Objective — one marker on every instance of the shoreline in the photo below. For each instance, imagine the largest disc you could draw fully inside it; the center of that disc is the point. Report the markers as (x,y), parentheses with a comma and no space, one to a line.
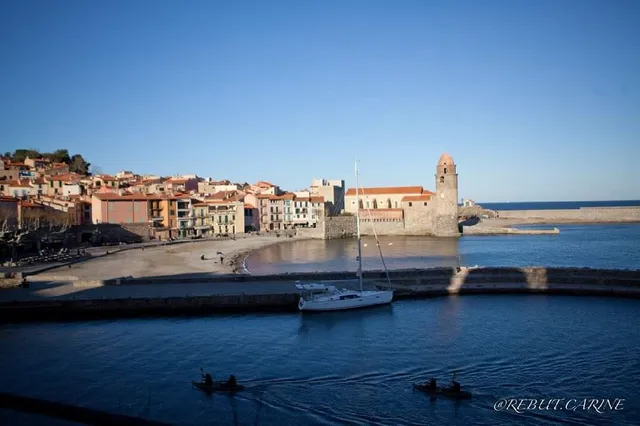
(226,256)
(205,258)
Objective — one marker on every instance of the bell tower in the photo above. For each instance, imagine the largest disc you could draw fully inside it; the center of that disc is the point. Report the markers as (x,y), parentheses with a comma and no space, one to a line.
(446,209)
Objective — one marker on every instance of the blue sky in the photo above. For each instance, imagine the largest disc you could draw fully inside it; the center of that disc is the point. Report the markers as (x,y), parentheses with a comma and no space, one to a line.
(535,100)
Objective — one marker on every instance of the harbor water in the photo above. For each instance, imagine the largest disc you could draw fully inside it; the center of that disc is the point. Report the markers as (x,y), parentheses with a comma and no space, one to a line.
(341,368)
(358,367)
(586,245)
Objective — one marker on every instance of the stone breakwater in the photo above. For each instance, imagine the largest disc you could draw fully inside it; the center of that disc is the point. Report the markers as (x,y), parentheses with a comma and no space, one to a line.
(488,230)
(136,297)
(581,215)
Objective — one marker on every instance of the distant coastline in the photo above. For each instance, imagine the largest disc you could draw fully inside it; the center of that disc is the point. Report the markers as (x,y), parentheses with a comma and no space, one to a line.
(557,205)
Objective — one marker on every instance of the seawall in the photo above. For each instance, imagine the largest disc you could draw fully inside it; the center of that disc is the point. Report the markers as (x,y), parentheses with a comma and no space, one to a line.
(583,214)
(236,293)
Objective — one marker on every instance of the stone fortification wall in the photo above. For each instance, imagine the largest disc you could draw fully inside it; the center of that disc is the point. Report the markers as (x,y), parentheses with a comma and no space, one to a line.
(420,221)
(330,227)
(383,228)
(141,229)
(601,214)
(339,226)
(316,233)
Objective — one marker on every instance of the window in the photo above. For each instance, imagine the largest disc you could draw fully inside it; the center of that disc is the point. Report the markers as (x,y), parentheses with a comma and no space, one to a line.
(425,203)
(441,179)
(445,170)
(410,203)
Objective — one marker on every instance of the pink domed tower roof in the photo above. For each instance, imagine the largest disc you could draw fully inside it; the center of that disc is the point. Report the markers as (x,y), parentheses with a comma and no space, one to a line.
(445,160)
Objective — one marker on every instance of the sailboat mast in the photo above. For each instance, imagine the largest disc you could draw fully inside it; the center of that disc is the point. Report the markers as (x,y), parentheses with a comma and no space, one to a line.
(358,226)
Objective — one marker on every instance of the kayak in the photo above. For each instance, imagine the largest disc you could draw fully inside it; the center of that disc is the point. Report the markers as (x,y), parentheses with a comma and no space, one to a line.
(217,387)
(441,391)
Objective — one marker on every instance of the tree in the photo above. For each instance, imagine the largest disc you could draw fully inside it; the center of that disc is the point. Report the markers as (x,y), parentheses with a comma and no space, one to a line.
(78,165)
(21,154)
(95,170)
(62,156)
(8,215)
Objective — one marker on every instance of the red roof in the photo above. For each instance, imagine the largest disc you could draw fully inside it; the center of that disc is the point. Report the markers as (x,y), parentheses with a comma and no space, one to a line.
(18,184)
(108,196)
(423,197)
(387,190)
(69,177)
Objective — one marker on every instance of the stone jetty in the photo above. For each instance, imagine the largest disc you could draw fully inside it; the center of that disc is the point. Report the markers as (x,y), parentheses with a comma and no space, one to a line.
(171,295)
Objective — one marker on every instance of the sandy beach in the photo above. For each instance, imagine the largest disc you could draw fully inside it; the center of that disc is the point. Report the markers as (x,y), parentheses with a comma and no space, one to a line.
(177,259)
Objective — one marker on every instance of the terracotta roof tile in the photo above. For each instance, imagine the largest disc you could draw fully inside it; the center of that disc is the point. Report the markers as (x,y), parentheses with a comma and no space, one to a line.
(422,197)
(107,196)
(387,190)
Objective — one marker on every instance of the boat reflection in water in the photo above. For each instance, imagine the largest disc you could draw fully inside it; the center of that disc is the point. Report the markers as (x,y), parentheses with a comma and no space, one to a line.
(346,321)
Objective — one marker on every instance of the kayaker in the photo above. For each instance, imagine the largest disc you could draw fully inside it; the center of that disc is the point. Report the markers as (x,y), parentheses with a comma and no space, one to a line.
(208,380)
(455,386)
(431,383)
(232,381)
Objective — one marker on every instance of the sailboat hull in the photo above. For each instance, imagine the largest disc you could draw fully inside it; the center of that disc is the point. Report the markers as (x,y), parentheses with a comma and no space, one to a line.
(339,302)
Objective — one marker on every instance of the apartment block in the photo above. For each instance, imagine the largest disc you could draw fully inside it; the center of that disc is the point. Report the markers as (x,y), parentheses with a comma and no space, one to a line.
(333,193)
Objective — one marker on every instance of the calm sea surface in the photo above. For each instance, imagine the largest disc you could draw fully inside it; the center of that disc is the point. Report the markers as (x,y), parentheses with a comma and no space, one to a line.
(594,245)
(341,368)
(357,367)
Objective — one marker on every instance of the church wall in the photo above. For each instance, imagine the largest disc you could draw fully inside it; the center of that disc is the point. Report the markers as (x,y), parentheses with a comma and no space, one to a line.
(380,201)
(418,218)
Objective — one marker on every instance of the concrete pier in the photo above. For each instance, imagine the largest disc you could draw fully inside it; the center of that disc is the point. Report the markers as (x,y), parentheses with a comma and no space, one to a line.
(198,295)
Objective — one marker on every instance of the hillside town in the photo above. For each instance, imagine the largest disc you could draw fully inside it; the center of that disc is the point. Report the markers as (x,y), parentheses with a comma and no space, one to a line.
(36,190)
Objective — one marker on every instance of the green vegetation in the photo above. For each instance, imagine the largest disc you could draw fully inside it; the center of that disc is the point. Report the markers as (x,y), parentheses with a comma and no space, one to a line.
(76,162)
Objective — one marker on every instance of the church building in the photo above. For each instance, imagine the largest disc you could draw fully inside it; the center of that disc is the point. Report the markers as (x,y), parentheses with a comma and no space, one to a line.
(411,210)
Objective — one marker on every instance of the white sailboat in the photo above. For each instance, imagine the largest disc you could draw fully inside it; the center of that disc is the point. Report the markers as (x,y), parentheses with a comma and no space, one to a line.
(320,297)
